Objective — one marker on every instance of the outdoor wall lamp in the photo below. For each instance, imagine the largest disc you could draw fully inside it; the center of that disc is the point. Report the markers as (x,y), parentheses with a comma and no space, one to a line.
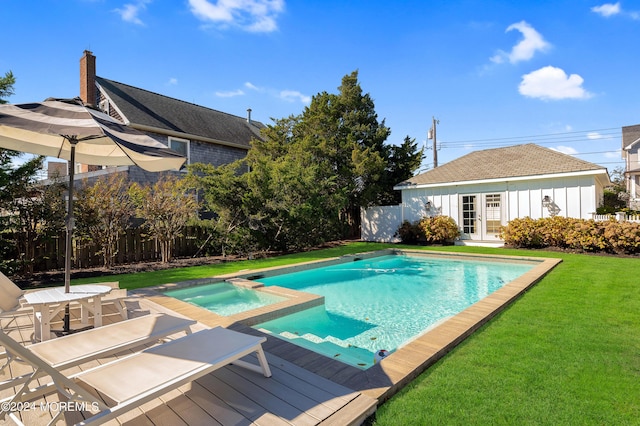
(428,205)
(546,200)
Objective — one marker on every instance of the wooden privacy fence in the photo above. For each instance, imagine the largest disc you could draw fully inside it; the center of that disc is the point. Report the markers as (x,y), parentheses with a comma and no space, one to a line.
(132,247)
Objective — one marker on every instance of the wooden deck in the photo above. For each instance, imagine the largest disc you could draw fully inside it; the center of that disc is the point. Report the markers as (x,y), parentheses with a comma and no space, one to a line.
(229,396)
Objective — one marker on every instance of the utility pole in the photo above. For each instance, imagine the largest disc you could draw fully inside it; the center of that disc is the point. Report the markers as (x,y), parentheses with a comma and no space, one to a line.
(432,135)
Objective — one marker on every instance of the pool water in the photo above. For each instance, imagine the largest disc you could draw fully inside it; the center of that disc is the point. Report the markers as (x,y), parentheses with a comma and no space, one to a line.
(384,302)
(224,298)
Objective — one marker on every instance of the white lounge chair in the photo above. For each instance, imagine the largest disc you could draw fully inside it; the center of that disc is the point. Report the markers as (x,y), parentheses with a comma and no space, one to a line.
(78,348)
(147,374)
(10,303)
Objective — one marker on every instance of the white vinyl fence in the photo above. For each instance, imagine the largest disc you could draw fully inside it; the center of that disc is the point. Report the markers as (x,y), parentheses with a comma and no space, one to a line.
(619,216)
(380,223)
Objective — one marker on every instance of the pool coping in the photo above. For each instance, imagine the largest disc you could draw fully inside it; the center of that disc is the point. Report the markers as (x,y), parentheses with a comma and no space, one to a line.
(386,377)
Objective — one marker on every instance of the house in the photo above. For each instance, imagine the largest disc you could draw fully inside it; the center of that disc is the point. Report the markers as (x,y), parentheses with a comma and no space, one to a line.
(486,189)
(630,153)
(202,134)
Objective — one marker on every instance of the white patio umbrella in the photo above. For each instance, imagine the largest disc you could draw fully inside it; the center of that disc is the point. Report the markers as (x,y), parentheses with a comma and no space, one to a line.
(67,129)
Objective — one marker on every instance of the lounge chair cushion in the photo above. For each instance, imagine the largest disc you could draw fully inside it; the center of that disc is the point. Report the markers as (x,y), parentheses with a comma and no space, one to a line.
(75,348)
(187,357)
(9,287)
(7,301)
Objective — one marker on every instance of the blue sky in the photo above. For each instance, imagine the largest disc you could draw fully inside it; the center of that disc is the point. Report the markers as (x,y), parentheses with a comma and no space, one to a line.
(563,74)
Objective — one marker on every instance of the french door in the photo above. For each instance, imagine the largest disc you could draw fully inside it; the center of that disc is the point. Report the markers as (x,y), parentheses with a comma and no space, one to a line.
(481,216)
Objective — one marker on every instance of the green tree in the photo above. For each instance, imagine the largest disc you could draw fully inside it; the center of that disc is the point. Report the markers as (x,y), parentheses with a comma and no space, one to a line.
(402,163)
(614,197)
(6,86)
(222,190)
(35,212)
(291,201)
(103,211)
(309,175)
(344,130)
(166,207)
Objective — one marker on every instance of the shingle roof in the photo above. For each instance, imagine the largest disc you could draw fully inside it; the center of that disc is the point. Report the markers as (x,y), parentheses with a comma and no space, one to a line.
(151,109)
(502,163)
(630,134)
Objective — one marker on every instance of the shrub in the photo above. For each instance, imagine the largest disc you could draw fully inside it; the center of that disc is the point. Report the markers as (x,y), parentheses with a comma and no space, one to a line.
(623,237)
(524,232)
(578,234)
(408,232)
(587,235)
(439,229)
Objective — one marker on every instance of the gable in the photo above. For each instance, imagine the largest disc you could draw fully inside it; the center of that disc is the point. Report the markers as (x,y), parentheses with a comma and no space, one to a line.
(518,161)
(153,111)
(630,136)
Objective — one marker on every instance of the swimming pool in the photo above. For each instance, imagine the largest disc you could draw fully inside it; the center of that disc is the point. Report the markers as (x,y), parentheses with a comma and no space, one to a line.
(383,302)
(224,298)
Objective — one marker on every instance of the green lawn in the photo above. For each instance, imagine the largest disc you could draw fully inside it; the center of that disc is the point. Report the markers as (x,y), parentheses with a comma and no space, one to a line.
(566,353)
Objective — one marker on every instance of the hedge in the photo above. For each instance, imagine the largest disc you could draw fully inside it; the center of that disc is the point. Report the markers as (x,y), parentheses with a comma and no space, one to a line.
(577,234)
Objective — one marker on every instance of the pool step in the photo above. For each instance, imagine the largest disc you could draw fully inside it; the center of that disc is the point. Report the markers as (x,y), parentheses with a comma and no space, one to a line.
(315,339)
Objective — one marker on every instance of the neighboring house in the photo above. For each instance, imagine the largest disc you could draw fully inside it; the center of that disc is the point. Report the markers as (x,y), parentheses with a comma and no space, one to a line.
(486,189)
(631,155)
(202,134)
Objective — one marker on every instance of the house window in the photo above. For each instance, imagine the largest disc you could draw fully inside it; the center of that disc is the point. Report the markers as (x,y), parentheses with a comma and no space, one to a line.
(104,106)
(181,146)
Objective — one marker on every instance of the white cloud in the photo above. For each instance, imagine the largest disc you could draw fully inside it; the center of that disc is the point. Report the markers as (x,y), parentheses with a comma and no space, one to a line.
(249,85)
(129,12)
(617,154)
(565,149)
(230,93)
(526,48)
(594,136)
(607,9)
(286,95)
(294,95)
(611,9)
(173,81)
(249,15)
(551,83)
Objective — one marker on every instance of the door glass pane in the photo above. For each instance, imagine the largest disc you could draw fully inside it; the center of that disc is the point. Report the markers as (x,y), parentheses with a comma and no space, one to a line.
(493,217)
(469,214)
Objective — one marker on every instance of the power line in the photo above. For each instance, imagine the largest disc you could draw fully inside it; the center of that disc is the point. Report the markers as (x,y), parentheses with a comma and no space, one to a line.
(548,139)
(537,137)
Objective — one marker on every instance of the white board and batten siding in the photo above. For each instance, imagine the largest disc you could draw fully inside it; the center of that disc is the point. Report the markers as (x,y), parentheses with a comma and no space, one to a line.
(570,196)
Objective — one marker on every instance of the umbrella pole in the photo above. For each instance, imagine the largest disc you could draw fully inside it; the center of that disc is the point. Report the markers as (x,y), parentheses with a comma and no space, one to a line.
(69,235)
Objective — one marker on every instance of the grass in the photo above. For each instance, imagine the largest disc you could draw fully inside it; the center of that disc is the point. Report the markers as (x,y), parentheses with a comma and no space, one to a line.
(567,352)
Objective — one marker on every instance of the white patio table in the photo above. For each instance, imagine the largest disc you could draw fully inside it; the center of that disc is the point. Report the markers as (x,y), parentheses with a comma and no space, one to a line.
(47,303)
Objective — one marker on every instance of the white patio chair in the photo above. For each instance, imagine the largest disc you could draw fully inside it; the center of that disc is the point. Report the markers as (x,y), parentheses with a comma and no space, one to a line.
(78,348)
(147,374)
(10,304)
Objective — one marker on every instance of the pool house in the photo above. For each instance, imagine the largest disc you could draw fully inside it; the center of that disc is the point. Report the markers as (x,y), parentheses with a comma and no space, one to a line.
(486,189)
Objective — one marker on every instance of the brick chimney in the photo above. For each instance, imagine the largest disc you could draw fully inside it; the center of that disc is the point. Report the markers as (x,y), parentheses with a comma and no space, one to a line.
(88,78)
